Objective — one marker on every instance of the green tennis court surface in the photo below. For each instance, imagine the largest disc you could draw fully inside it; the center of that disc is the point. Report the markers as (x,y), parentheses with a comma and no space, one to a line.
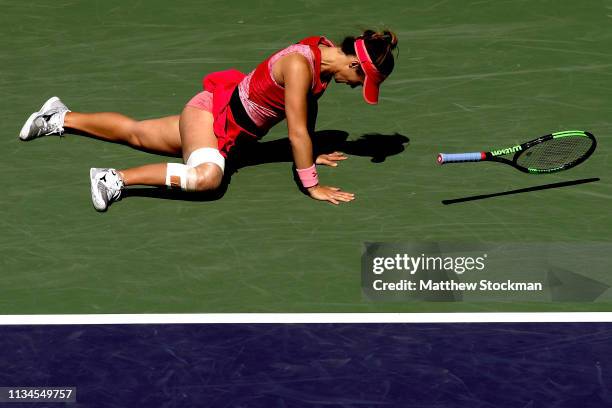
(470,76)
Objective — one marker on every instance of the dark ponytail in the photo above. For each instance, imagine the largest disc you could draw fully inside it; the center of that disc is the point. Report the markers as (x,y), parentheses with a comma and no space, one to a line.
(379,46)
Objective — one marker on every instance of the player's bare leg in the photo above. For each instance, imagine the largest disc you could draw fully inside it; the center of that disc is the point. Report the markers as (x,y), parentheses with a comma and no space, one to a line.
(202,171)
(190,134)
(195,133)
(155,135)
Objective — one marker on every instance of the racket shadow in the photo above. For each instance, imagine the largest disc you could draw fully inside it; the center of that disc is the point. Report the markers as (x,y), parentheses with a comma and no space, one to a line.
(520,190)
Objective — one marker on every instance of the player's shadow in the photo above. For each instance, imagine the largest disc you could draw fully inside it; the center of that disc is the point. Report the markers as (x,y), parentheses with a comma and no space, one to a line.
(248,152)
(374,145)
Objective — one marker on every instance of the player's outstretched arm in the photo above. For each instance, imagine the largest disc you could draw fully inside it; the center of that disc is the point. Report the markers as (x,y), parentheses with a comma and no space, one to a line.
(297,78)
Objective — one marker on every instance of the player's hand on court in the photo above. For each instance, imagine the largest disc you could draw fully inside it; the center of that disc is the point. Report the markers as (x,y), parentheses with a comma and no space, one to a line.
(331,159)
(332,194)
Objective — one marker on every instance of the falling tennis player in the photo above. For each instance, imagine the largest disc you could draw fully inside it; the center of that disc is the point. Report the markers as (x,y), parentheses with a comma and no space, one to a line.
(231,105)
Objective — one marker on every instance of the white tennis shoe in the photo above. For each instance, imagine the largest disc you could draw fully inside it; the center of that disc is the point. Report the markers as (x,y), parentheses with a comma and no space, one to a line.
(106,186)
(49,120)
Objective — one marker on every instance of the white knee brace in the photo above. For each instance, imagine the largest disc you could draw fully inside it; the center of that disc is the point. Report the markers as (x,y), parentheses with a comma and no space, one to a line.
(206,155)
(184,176)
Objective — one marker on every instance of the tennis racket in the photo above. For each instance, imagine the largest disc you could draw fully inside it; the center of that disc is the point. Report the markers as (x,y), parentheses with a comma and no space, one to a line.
(547,154)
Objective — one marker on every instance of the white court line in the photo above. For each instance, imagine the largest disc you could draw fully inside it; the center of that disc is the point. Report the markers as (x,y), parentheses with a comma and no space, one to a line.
(251,318)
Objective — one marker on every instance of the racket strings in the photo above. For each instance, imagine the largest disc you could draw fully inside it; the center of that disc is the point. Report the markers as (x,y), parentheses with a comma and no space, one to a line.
(554,153)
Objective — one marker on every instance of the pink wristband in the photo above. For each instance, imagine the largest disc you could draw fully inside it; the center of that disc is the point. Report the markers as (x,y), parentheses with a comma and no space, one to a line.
(308,176)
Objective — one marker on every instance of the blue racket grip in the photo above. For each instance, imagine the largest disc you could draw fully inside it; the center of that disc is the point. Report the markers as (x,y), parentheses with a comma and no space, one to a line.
(459,157)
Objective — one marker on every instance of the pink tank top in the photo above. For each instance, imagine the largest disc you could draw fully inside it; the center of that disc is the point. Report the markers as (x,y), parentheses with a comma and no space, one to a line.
(263,98)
